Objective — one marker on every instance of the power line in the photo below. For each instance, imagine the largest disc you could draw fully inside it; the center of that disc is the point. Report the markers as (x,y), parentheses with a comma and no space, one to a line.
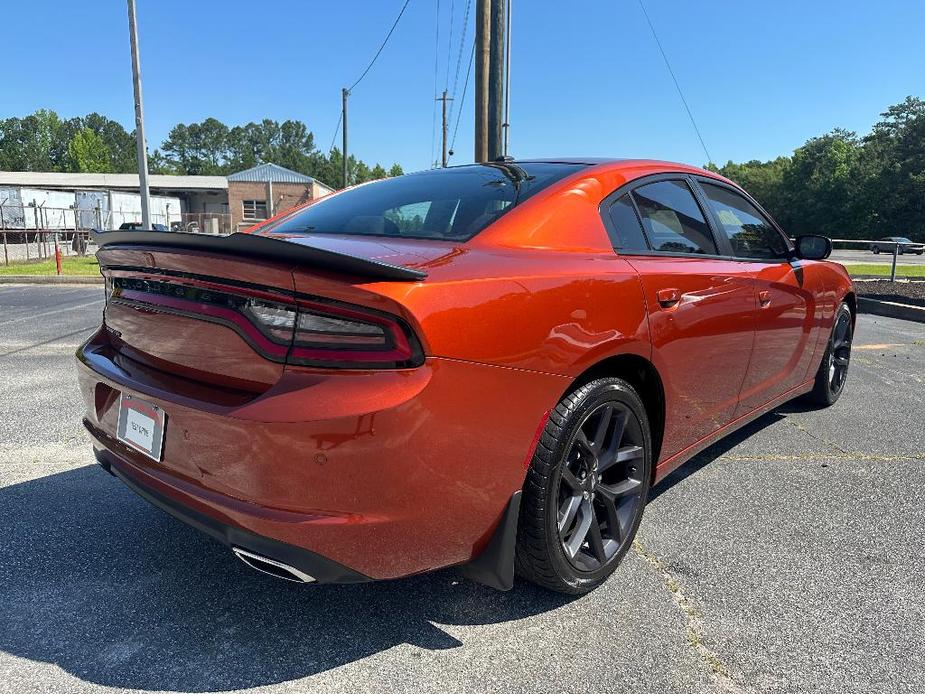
(675,80)
(463,99)
(336,130)
(385,41)
(433,117)
(368,68)
(449,45)
(462,45)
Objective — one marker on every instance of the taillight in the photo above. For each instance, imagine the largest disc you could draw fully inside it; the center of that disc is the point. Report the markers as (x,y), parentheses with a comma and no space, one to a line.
(276,321)
(348,336)
(307,332)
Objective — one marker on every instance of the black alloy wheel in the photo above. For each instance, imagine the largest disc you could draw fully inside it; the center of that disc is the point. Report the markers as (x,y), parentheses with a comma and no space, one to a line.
(599,486)
(833,370)
(839,354)
(586,488)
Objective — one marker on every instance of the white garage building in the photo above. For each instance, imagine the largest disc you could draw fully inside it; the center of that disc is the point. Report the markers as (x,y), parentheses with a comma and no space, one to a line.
(31,200)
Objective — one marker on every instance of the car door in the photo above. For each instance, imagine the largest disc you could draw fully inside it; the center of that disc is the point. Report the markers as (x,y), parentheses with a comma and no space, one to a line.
(790,297)
(700,304)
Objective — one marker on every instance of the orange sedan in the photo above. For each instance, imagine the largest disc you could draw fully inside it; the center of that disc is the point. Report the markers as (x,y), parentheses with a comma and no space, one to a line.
(485,366)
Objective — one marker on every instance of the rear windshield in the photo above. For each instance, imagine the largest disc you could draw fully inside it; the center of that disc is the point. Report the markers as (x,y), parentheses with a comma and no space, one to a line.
(452,204)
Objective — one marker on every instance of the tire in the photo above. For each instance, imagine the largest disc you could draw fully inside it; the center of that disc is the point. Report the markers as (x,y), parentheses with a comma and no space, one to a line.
(833,370)
(585,477)
(876,250)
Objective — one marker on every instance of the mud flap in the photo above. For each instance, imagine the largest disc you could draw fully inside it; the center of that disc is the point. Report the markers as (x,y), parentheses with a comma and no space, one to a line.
(494,567)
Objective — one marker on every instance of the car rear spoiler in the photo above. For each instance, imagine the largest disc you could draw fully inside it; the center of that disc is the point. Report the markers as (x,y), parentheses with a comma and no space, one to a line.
(263,247)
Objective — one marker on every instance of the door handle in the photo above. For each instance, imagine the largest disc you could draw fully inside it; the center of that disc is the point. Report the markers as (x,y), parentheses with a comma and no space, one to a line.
(764,299)
(668,297)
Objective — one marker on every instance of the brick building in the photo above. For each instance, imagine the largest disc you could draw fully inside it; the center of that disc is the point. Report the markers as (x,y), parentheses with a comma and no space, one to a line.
(267,189)
(211,204)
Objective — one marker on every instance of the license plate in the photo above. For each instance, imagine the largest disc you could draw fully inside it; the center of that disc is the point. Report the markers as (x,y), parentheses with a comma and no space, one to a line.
(141,426)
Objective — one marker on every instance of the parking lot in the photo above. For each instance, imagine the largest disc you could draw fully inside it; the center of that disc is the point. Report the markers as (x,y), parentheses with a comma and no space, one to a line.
(787,558)
(842,255)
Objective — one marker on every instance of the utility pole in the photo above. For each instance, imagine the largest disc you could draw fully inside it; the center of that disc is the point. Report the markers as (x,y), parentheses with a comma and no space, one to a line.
(482,36)
(344,94)
(444,99)
(507,75)
(490,17)
(496,81)
(141,147)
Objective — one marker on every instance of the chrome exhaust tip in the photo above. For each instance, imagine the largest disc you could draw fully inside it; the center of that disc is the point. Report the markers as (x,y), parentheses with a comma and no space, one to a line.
(272,567)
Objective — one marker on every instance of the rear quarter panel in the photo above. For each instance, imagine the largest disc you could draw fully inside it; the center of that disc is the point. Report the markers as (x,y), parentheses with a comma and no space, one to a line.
(535,310)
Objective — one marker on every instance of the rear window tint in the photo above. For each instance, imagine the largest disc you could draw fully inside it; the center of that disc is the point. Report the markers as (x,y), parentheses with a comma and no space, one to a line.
(749,233)
(672,218)
(453,204)
(626,234)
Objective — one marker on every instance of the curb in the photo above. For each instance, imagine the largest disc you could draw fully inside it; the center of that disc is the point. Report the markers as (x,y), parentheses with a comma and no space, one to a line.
(50,279)
(891,309)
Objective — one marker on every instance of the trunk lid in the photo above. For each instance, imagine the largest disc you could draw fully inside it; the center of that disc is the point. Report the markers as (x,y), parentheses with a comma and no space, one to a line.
(168,310)
(222,310)
(409,253)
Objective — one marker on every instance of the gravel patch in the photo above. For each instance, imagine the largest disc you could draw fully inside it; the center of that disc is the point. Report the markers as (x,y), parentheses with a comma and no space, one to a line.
(904,292)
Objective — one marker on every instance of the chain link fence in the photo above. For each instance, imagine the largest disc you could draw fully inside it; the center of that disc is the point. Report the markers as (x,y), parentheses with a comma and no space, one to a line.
(29,231)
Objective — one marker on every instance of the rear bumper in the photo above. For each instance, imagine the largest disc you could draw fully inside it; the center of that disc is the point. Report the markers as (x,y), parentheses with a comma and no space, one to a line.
(374,475)
(321,569)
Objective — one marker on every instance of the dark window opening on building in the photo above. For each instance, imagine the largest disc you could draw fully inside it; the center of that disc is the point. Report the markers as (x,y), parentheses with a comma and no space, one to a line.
(254,209)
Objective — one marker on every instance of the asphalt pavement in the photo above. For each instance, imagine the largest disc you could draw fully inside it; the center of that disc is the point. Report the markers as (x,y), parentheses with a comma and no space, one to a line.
(864,256)
(787,558)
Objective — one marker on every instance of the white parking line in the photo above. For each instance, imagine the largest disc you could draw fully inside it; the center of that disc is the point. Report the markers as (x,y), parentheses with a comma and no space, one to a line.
(33,316)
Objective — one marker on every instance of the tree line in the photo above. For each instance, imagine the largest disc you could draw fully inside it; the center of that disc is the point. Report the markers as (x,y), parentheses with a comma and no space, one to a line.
(839,184)
(93,143)
(844,185)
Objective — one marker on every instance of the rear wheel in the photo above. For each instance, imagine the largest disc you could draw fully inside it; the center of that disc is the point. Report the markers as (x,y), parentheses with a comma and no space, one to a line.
(833,371)
(586,488)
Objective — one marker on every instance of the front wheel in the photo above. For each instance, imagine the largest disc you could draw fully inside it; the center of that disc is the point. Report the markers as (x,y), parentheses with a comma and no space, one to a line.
(833,371)
(586,488)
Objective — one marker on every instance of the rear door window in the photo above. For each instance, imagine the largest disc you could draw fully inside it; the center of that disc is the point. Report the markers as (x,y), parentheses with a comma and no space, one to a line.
(749,232)
(673,220)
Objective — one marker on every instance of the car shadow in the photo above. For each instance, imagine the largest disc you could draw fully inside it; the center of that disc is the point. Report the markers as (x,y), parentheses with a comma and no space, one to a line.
(117,593)
(721,447)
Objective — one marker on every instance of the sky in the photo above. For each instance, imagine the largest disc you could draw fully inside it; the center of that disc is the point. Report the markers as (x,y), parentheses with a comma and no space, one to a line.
(587,78)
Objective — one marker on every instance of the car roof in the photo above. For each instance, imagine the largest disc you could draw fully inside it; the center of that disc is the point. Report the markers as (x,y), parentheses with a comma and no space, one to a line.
(570,160)
(592,161)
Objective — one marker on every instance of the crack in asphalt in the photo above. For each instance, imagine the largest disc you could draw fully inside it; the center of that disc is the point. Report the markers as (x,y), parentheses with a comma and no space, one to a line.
(693,617)
(916,457)
(48,341)
(820,439)
(63,308)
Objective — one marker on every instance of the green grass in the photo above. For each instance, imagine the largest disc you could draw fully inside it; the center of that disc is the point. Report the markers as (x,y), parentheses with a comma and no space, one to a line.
(880,270)
(69,266)
(90,268)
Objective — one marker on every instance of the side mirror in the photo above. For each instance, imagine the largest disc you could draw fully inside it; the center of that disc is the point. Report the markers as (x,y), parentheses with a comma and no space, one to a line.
(812,247)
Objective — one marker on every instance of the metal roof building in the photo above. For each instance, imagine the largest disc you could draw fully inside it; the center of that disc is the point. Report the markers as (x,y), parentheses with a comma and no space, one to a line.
(270,173)
(216,203)
(120,181)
